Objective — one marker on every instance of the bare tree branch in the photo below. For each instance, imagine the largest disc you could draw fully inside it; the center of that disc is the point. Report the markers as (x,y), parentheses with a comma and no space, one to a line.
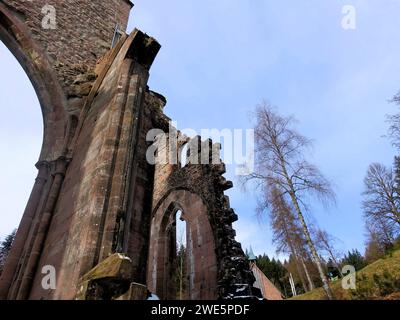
(285,173)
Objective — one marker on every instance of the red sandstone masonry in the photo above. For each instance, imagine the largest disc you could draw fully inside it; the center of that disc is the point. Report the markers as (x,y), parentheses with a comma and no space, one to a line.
(96,194)
(83,34)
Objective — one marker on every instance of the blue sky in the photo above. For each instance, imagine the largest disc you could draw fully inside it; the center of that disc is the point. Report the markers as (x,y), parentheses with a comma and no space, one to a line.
(218,60)
(21,131)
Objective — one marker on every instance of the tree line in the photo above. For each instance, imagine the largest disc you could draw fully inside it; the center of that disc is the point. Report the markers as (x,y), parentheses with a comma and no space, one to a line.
(5,247)
(278,272)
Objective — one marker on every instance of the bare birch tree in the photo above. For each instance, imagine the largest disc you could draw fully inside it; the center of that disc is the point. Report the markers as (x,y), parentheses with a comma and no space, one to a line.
(381,201)
(281,165)
(325,243)
(287,235)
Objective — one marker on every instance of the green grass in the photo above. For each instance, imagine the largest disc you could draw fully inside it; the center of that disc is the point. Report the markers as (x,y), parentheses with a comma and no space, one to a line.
(390,264)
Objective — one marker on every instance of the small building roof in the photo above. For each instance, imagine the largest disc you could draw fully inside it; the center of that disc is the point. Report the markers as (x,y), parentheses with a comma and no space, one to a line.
(251,255)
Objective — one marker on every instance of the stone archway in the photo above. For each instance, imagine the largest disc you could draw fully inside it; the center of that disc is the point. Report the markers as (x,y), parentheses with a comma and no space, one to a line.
(17,38)
(40,72)
(201,257)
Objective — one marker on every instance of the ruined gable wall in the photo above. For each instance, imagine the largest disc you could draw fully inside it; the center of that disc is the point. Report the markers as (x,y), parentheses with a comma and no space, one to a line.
(208,183)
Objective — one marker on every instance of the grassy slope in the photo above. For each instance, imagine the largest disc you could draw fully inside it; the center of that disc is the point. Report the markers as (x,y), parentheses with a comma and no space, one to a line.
(391,263)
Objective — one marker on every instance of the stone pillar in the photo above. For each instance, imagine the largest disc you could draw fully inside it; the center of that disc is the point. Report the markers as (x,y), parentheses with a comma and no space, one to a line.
(130,104)
(58,172)
(23,230)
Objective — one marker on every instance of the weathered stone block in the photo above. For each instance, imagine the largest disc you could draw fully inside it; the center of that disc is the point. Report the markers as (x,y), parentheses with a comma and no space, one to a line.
(115,266)
(109,279)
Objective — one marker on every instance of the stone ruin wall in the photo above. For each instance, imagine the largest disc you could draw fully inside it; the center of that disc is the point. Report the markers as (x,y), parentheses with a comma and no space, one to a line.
(96,195)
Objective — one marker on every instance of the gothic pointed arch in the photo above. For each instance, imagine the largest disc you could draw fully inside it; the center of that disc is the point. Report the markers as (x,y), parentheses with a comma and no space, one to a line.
(201,262)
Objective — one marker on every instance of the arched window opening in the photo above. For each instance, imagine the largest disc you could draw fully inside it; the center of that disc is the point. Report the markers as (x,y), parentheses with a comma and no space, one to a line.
(199,271)
(181,258)
(21,136)
(183,156)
